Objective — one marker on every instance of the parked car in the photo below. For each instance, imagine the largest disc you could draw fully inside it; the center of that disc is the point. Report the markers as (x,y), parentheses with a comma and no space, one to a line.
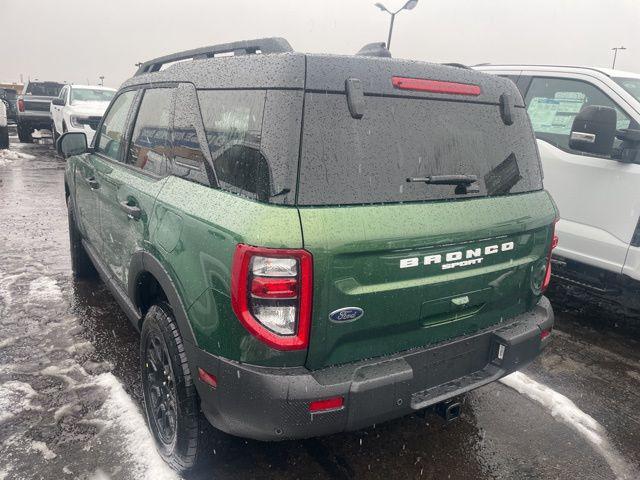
(33,107)
(79,108)
(311,244)
(595,183)
(8,96)
(4,128)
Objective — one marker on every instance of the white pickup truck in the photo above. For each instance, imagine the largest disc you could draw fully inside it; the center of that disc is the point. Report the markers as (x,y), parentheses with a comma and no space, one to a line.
(593,177)
(79,108)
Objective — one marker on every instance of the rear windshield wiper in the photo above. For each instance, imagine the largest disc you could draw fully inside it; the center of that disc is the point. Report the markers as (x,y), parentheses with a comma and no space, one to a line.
(446,179)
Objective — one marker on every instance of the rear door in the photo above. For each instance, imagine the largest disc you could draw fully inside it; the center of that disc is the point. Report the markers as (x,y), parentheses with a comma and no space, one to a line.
(130,185)
(87,179)
(401,264)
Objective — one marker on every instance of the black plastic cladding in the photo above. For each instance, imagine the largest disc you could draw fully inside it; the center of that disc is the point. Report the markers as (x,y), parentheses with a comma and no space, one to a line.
(326,73)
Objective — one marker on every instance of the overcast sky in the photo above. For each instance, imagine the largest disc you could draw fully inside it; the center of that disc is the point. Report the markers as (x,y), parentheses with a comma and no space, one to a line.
(79,40)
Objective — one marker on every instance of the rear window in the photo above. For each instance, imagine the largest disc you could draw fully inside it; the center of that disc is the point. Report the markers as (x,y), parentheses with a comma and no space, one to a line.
(350,161)
(44,89)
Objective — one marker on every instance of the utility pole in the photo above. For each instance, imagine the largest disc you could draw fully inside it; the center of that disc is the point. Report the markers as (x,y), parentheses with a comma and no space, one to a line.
(615,55)
(407,6)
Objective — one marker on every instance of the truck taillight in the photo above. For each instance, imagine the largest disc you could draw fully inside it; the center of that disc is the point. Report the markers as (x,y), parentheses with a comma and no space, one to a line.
(271,293)
(21,104)
(554,244)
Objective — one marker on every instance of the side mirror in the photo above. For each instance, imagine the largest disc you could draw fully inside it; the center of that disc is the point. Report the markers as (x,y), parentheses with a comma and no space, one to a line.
(58,101)
(72,143)
(594,130)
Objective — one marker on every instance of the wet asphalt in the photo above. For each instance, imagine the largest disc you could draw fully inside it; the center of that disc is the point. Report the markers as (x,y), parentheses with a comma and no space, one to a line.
(70,389)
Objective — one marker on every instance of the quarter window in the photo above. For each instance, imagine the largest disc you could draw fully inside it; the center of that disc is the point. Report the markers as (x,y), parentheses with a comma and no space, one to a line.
(111,141)
(151,140)
(553,103)
(233,125)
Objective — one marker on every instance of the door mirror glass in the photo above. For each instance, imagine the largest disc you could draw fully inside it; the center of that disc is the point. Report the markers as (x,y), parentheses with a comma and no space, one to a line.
(594,130)
(58,101)
(72,143)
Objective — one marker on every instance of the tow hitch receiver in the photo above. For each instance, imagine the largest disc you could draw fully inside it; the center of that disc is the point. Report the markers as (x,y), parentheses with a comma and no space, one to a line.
(449,410)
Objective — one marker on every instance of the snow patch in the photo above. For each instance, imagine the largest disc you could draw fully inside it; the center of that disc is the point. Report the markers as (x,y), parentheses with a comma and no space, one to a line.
(565,410)
(120,408)
(15,398)
(43,449)
(45,289)
(8,156)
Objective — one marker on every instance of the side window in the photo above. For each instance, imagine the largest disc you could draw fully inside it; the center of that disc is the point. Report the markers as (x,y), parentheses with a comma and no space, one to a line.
(233,125)
(553,103)
(112,134)
(151,140)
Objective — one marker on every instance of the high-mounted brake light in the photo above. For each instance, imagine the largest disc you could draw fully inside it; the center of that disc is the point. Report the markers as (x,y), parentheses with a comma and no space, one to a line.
(21,104)
(554,244)
(271,292)
(435,86)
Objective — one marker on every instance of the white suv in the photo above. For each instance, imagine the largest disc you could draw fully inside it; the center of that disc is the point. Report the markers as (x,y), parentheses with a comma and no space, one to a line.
(597,190)
(79,108)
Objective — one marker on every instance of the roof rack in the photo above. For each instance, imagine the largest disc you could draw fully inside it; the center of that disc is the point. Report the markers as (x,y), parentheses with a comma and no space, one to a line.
(245,47)
(456,65)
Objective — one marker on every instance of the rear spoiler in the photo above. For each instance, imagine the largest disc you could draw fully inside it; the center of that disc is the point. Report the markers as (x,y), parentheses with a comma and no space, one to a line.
(245,47)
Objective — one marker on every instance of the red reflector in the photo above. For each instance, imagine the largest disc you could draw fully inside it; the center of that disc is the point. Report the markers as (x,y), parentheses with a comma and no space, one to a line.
(435,86)
(328,404)
(274,287)
(545,334)
(21,104)
(554,244)
(207,378)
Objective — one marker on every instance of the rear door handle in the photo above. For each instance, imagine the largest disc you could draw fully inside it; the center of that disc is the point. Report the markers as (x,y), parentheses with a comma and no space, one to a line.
(133,211)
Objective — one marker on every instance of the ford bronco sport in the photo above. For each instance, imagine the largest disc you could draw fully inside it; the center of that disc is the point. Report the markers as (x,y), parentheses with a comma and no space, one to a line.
(311,244)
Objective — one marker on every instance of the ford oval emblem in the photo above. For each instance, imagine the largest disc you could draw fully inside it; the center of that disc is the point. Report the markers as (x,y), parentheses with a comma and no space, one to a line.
(346,314)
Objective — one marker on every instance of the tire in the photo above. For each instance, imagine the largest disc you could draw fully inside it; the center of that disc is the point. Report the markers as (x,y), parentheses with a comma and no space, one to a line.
(170,399)
(81,264)
(4,137)
(24,133)
(54,134)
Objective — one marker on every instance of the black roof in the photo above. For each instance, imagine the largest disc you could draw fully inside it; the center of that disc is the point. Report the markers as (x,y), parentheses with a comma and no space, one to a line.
(276,66)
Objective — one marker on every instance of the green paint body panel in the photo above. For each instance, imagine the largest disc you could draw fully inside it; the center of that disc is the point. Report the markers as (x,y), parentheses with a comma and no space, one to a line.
(357,252)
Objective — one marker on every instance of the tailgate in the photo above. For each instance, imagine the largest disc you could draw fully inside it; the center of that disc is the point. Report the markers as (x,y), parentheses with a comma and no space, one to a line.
(421,273)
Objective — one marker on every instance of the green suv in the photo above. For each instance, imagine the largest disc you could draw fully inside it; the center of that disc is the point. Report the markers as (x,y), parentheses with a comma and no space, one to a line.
(311,244)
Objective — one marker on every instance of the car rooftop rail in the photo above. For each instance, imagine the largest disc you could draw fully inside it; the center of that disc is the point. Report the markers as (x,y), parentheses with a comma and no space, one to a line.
(244,47)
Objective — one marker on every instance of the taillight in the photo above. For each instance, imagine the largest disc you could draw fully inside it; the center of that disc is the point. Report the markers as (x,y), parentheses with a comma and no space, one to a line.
(21,104)
(271,292)
(554,244)
(435,86)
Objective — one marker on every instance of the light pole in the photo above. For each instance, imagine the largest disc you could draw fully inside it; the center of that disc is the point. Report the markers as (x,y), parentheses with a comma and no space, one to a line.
(101,77)
(615,55)
(407,6)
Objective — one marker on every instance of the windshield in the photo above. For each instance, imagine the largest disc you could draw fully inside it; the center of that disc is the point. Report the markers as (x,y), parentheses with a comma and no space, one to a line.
(371,160)
(48,89)
(91,95)
(631,85)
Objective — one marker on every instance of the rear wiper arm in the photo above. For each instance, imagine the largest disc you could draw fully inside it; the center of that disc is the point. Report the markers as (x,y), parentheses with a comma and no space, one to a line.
(446,179)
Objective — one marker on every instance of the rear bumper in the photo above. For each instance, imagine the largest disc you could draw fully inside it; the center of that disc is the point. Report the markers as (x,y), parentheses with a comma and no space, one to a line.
(273,403)
(35,119)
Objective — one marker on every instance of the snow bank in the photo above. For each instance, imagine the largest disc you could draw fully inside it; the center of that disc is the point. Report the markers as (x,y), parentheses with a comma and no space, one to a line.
(8,156)
(565,410)
(120,409)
